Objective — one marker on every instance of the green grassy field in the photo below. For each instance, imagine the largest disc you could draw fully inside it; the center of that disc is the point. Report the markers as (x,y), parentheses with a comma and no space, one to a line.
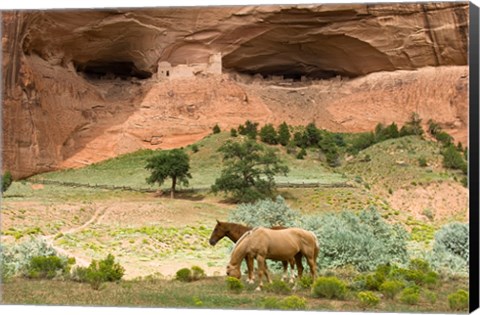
(211,292)
(206,164)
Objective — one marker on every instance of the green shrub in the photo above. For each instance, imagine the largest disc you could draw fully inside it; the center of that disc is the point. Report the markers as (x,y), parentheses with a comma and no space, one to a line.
(373,282)
(7,180)
(458,301)
(48,267)
(283,134)
(233,132)
(216,129)
(444,138)
(278,287)
(184,275)
(391,288)
(329,287)
(410,295)
(413,126)
(361,142)
(234,284)
(301,154)
(422,161)
(197,273)
(195,148)
(305,282)
(98,272)
(293,302)
(268,134)
(453,159)
(249,129)
(368,299)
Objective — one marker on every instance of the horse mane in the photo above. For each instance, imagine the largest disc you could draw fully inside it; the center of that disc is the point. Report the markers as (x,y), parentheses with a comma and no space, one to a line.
(242,237)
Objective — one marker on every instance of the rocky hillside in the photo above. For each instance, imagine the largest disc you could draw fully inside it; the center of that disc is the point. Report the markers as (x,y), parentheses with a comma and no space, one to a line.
(82,86)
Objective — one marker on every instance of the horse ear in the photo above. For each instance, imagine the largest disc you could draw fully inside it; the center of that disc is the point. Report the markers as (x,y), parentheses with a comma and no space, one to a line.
(218,221)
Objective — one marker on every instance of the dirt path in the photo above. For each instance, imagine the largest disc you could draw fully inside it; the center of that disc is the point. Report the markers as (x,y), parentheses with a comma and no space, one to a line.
(79,260)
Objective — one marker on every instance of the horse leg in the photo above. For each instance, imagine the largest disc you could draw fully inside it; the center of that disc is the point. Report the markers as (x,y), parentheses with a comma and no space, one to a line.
(261,268)
(292,268)
(298,261)
(313,266)
(285,270)
(251,276)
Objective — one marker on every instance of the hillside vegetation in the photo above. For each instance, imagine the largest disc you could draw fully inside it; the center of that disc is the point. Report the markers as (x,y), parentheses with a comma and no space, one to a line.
(396,191)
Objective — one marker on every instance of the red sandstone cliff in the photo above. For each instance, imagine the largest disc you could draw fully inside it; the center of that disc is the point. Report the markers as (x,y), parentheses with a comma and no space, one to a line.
(82,86)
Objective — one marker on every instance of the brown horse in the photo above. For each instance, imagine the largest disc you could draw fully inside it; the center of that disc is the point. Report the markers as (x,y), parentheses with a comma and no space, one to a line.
(235,231)
(262,243)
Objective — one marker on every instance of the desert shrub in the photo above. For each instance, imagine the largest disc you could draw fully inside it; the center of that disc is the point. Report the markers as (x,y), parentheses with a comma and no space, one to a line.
(249,129)
(433,127)
(7,180)
(361,142)
(197,273)
(301,154)
(450,251)
(422,161)
(278,287)
(233,132)
(305,282)
(458,301)
(184,275)
(444,138)
(265,213)
(234,284)
(453,159)
(14,259)
(195,148)
(413,126)
(363,240)
(216,129)
(293,302)
(329,287)
(48,267)
(391,288)
(283,134)
(368,299)
(98,272)
(268,134)
(410,295)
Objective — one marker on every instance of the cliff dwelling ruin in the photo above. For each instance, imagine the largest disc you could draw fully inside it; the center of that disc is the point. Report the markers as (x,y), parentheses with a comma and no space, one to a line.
(69,98)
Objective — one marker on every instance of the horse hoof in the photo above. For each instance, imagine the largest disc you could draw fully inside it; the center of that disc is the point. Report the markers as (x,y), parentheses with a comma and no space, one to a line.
(258,289)
(250,281)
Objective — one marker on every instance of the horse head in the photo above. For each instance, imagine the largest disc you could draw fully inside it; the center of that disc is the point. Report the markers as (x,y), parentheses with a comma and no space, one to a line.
(233,272)
(219,232)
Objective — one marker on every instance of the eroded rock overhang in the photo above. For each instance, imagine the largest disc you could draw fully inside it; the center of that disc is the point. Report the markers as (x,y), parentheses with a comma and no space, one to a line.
(319,41)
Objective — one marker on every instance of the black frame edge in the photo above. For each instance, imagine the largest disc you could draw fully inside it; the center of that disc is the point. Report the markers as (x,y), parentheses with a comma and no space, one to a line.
(473,156)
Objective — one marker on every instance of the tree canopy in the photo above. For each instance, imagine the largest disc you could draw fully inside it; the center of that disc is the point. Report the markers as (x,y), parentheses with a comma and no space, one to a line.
(249,170)
(174,164)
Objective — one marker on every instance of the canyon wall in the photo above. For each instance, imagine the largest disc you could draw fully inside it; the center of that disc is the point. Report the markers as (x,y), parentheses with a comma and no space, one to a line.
(82,86)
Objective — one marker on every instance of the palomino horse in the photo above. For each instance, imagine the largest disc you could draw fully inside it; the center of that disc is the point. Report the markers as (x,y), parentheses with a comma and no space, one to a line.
(262,243)
(234,231)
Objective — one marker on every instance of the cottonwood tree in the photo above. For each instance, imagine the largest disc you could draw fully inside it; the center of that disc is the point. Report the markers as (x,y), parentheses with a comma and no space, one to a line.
(174,164)
(249,170)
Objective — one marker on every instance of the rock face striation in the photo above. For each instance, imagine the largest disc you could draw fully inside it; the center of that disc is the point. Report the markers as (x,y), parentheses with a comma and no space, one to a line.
(81,86)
